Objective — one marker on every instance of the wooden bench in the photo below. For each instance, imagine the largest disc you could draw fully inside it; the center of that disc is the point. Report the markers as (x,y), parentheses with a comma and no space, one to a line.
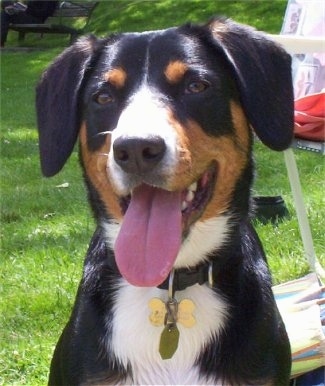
(61,21)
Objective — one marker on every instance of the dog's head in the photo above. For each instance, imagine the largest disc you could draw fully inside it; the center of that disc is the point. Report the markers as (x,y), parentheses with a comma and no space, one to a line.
(163,120)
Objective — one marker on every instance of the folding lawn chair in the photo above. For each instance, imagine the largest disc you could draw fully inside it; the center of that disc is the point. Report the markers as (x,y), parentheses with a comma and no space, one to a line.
(302,35)
(302,302)
(302,305)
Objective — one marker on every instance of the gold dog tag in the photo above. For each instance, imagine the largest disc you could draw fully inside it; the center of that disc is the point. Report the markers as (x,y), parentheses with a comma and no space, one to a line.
(158,312)
(184,313)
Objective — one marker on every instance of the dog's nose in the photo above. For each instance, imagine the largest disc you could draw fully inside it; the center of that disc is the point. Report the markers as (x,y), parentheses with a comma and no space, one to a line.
(138,155)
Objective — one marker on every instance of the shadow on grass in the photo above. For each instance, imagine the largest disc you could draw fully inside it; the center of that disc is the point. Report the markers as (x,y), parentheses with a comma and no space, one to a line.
(141,15)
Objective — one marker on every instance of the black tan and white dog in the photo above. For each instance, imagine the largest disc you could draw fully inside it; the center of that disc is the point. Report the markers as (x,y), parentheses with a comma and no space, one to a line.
(176,288)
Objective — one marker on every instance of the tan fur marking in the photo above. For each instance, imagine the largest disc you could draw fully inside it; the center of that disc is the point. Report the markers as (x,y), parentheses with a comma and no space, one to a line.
(95,164)
(117,77)
(175,71)
(198,151)
(241,126)
(230,163)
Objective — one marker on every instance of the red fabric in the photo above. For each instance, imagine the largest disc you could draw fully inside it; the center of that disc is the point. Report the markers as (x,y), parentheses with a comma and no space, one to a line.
(310,117)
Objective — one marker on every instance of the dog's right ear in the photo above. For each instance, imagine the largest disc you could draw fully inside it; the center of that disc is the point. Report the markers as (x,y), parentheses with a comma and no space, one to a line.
(57,104)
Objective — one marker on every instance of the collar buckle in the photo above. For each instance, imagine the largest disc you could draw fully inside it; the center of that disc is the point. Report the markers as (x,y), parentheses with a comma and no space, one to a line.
(180,279)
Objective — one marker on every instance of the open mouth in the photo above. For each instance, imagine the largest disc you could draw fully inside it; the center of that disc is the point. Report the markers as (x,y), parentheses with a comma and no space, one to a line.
(194,199)
(155,223)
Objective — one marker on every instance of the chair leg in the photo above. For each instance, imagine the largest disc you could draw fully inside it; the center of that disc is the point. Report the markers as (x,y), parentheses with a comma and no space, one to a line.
(301,211)
(73,38)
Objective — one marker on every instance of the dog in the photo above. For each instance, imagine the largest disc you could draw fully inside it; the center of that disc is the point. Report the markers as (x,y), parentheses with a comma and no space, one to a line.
(176,287)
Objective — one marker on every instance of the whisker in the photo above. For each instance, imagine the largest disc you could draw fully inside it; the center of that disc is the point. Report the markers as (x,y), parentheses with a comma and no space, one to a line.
(100,134)
(103,133)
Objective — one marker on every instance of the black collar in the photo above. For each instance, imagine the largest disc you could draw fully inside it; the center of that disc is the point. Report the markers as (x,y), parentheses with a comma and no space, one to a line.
(186,277)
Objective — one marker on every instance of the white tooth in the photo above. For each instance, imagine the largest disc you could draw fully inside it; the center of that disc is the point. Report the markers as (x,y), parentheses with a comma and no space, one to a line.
(184,205)
(193,187)
(189,196)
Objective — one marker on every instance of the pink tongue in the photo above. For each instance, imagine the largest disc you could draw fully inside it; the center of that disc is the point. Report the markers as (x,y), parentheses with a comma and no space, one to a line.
(150,237)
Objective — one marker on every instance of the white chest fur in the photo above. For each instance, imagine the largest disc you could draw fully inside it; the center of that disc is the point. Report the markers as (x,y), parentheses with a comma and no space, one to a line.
(135,340)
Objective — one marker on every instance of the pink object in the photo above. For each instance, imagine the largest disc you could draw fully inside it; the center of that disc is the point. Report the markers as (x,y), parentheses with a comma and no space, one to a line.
(150,237)
(310,117)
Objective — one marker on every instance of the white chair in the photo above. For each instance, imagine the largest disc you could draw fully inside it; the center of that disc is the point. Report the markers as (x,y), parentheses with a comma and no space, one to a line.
(295,41)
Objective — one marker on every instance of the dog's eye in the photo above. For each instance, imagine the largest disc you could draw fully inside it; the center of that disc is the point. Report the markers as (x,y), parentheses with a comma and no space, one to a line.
(196,87)
(103,98)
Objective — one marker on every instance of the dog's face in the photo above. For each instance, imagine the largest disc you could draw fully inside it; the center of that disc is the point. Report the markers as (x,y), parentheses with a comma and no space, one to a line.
(171,122)
(164,125)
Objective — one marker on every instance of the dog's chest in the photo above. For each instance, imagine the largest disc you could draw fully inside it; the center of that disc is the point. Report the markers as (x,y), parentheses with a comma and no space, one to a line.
(135,340)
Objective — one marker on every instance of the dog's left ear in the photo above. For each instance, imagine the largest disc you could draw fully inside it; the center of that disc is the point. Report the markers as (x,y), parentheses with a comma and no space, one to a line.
(57,104)
(262,70)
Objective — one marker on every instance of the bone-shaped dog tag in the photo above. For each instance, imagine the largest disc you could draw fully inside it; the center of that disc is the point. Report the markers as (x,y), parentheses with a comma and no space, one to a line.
(184,313)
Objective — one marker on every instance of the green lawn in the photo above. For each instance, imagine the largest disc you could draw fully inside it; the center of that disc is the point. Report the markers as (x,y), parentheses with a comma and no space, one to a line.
(46,225)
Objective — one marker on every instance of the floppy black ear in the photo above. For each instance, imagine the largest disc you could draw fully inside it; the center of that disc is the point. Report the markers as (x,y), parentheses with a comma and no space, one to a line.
(262,70)
(57,105)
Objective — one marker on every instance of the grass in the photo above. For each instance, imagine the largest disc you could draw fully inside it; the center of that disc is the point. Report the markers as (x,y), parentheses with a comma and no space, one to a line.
(282,243)
(138,15)
(46,226)
(44,232)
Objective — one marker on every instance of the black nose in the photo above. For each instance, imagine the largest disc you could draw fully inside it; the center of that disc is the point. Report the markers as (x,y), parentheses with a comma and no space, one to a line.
(138,155)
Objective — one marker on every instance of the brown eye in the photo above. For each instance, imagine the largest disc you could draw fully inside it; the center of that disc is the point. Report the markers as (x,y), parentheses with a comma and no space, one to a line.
(104,98)
(196,87)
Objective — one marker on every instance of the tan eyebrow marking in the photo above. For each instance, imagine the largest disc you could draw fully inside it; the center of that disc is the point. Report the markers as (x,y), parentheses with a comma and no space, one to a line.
(117,77)
(175,71)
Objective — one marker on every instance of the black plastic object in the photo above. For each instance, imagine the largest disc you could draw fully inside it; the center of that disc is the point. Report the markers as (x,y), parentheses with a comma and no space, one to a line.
(269,209)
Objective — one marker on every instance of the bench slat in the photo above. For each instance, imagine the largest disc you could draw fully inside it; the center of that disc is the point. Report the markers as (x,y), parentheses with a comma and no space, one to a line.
(55,23)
